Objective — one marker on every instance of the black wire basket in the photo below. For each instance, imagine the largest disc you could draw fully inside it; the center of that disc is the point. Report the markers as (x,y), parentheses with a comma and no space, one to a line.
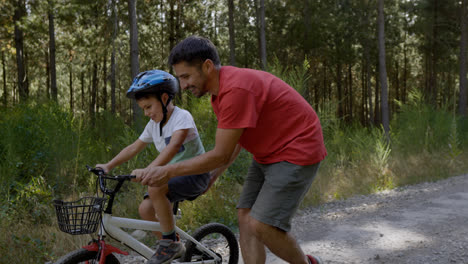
(79,217)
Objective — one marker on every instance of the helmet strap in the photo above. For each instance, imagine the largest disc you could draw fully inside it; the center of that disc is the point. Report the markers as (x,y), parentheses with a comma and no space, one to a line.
(164,110)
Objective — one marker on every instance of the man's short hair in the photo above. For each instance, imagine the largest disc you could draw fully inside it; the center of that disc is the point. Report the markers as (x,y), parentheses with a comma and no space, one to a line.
(194,50)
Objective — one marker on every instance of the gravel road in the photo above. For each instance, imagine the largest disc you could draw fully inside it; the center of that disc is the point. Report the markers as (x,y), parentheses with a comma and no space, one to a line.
(419,224)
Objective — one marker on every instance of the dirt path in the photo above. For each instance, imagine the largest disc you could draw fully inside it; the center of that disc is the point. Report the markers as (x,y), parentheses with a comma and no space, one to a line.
(420,224)
(424,223)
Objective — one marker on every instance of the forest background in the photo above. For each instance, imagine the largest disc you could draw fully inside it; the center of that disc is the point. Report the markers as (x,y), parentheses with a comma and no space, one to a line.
(388,81)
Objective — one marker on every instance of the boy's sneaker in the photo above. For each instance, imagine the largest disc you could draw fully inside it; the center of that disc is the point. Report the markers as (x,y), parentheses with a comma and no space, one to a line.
(314,260)
(167,251)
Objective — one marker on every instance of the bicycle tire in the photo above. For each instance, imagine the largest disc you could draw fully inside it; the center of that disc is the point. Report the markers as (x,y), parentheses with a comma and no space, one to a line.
(228,240)
(82,255)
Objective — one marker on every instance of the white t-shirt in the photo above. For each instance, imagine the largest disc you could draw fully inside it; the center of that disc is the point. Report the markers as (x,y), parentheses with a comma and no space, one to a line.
(180,119)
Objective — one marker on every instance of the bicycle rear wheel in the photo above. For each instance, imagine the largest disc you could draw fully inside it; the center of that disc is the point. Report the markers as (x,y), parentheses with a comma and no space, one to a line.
(85,256)
(216,237)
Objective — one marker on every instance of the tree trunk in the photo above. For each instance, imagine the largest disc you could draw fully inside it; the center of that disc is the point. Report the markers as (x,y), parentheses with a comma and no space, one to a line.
(71,86)
(363,112)
(104,88)
(367,62)
(134,53)
(5,90)
(134,62)
(433,89)
(163,18)
(263,57)
(396,87)
(377,109)
(22,86)
(171,23)
(47,73)
(306,17)
(179,16)
(114,34)
(383,72)
(94,84)
(405,68)
(351,94)
(53,72)
(339,88)
(82,91)
(232,40)
(463,41)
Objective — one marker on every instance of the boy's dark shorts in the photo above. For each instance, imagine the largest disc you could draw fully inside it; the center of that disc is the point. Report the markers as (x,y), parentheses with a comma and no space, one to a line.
(186,187)
(273,192)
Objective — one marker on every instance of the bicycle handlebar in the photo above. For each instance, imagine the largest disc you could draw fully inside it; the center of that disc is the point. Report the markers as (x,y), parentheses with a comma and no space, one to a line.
(102,176)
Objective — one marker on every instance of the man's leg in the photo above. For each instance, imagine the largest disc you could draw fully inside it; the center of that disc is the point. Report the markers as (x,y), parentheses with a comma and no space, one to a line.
(280,243)
(278,199)
(253,250)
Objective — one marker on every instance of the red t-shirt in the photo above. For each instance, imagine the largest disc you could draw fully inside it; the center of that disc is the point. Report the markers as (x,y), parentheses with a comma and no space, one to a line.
(280,125)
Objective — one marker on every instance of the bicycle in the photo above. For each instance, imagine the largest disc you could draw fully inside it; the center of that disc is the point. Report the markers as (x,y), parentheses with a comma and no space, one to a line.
(85,215)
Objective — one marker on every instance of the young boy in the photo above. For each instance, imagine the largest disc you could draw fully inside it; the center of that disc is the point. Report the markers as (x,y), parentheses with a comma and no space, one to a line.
(173,132)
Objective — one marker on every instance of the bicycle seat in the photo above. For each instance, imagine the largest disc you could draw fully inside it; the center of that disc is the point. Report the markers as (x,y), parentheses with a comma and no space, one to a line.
(175,205)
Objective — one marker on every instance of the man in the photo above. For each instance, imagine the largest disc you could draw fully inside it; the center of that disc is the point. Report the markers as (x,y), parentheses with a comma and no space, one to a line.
(261,113)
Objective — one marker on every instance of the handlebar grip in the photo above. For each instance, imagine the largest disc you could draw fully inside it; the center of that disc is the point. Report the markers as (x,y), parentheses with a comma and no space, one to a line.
(97,171)
(127,177)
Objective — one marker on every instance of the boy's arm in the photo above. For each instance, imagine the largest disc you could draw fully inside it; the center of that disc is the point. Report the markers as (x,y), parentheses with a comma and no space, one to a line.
(226,142)
(168,153)
(125,155)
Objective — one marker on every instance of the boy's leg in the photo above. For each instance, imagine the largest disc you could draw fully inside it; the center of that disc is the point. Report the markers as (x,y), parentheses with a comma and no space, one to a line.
(168,249)
(177,189)
(162,207)
(146,211)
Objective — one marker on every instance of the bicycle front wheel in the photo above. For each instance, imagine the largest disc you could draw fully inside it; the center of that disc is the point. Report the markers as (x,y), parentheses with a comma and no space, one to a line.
(85,256)
(216,237)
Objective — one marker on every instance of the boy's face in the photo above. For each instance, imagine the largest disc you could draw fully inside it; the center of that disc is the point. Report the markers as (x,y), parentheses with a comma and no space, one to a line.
(152,108)
(191,78)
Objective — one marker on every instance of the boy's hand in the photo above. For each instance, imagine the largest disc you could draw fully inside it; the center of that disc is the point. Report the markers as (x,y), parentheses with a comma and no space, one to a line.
(152,176)
(104,167)
(139,175)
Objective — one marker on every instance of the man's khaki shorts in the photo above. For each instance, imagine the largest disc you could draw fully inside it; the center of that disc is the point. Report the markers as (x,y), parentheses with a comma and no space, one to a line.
(273,192)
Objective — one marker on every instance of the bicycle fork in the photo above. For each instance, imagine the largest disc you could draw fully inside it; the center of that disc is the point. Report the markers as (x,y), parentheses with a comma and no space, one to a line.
(103,250)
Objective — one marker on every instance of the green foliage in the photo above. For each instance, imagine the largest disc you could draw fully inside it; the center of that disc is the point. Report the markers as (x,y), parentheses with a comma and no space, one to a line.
(296,76)
(45,149)
(420,127)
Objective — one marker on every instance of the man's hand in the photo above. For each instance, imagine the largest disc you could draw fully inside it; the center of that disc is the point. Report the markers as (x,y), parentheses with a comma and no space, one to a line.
(152,176)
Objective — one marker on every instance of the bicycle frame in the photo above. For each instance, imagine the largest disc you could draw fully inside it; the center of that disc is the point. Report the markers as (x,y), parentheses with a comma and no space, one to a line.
(112,226)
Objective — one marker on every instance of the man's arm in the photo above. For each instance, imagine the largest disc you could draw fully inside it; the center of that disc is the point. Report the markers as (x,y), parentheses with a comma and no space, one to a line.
(226,142)
(214,174)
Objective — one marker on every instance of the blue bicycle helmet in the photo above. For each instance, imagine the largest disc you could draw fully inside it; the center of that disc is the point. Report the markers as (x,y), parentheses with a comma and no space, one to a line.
(155,82)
